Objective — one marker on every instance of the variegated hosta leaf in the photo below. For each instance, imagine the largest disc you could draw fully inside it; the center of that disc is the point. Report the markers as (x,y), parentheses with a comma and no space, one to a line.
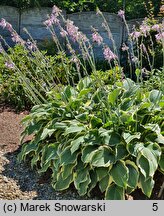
(103,157)
(129,137)
(74,129)
(76,143)
(161,163)
(94,181)
(82,180)
(62,184)
(112,96)
(111,138)
(121,152)
(147,159)
(36,157)
(133,174)
(27,149)
(87,153)
(155,96)
(46,133)
(101,172)
(104,183)
(66,157)
(120,174)
(146,185)
(66,170)
(95,122)
(114,192)
(49,153)
(83,187)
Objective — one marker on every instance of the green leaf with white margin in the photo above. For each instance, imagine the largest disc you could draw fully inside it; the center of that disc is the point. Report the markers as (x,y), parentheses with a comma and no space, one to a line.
(112,96)
(84,83)
(133,174)
(160,139)
(121,152)
(46,132)
(134,148)
(67,169)
(146,185)
(147,159)
(83,187)
(84,92)
(130,87)
(76,143)
(48,153)
(33,127)
(67,158)
(155,96)
(104,183)
(67,92)
(87,153)
(126,104)
(26,149)
(103,157)
(93,182)
(36,157)
(81,176)
(154,148)
(152,127)
(129,137)
(161,163)
(101,172)
(82,179)
(110,138)
(60,125)
(114,192)
(74,129)
(120,174)
(143,165)
(82,117)
(129,190)
(62,184)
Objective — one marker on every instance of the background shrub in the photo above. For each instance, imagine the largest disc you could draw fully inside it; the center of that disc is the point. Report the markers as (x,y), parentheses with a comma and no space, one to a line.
(134,9)
(32,75)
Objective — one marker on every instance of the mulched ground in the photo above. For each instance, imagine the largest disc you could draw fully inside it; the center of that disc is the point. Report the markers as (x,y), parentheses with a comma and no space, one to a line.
(18,181)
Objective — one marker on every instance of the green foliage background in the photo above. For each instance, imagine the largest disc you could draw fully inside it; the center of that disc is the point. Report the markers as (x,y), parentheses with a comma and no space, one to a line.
(134,9)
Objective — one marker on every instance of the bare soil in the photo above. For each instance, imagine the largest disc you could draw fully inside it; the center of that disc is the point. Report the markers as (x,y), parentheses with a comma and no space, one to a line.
(18,181)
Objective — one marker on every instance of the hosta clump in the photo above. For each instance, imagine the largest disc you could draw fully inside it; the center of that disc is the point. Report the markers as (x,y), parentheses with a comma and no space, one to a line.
(92,135)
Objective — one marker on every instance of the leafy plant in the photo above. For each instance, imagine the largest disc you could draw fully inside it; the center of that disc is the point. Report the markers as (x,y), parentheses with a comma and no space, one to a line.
(107,135)
(135,9)
(26,76)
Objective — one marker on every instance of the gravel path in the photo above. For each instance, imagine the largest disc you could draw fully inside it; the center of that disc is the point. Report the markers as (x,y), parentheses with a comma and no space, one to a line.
(17,181)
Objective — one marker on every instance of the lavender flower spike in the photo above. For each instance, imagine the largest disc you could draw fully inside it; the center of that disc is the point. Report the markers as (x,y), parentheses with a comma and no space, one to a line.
(109,55)
(97,38)
(3,23)
(124,47)
(121,13)
(9,65)
(56,10)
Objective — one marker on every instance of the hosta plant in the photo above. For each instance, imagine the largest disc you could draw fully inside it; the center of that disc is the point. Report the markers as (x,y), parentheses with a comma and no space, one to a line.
(98,135)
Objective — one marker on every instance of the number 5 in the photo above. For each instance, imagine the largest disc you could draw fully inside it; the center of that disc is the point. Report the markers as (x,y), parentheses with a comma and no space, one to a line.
(155,207)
